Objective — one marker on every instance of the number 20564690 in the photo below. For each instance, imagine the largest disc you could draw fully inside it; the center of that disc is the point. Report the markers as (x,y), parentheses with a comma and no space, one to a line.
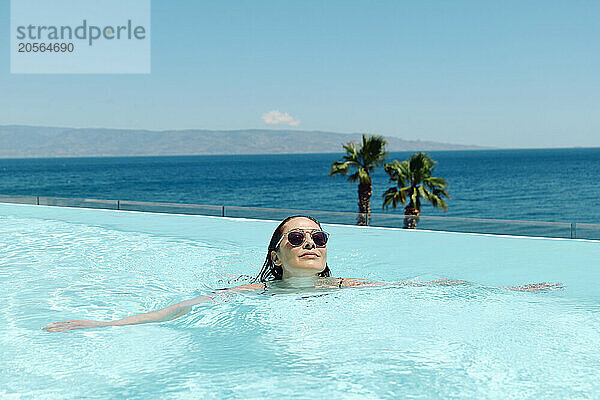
(46,48)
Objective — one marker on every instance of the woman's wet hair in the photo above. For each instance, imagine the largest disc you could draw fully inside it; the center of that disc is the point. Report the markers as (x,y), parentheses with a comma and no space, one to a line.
(272,272)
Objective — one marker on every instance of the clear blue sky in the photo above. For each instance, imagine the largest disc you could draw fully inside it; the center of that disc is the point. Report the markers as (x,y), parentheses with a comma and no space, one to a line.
(497,73)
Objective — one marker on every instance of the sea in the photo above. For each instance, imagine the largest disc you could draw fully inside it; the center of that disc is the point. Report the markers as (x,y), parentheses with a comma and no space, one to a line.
(560,185)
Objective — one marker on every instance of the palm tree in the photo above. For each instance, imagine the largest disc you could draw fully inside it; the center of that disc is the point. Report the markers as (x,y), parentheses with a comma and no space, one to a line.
(414,182)
(364,158)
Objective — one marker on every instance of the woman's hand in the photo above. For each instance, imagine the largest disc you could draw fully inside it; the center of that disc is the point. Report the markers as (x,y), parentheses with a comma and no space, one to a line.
(533,287)
(74,324)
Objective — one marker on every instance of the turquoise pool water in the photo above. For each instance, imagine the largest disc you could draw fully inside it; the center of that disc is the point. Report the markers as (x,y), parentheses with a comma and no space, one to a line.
(473,341)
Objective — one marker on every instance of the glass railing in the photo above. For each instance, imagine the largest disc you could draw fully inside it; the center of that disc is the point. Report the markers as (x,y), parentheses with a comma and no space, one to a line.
(565,230)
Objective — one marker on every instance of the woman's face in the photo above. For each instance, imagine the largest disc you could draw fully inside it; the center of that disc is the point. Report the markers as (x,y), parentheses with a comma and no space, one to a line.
(304,260)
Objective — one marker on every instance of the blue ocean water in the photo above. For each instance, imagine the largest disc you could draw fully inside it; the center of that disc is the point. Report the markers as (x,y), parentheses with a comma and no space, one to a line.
(531,184)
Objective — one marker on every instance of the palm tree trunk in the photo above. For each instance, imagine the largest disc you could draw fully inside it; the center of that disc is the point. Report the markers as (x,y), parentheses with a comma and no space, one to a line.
(411,216)
(365,190)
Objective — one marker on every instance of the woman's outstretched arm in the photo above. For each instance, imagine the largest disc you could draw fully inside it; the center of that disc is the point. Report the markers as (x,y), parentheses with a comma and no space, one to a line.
(164,314)
(532,287)
(352,282)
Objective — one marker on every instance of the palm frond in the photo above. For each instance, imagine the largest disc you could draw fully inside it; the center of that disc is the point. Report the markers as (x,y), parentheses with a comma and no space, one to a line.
(439,203)
(435,182)
(393,196)
(398,172)
(433,196)
(355,177)
(373,150)
(339,167)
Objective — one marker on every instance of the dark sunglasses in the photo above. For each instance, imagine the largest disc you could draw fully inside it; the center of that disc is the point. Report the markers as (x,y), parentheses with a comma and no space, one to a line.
(297,237)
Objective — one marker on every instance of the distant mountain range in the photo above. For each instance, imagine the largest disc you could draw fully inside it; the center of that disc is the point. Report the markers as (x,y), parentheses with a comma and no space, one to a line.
(18,141)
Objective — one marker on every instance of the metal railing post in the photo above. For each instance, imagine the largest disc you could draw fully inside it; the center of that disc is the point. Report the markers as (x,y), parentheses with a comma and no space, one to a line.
(37,200)
(573,230)
(222,211)
(118,204)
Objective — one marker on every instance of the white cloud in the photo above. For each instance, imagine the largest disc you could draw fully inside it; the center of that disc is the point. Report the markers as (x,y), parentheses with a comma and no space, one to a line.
(275,118)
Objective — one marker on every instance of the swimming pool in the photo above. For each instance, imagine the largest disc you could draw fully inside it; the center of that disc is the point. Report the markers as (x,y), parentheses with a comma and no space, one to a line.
(471,341)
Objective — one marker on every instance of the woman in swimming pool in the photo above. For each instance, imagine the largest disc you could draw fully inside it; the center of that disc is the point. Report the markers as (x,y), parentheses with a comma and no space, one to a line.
(298,249)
